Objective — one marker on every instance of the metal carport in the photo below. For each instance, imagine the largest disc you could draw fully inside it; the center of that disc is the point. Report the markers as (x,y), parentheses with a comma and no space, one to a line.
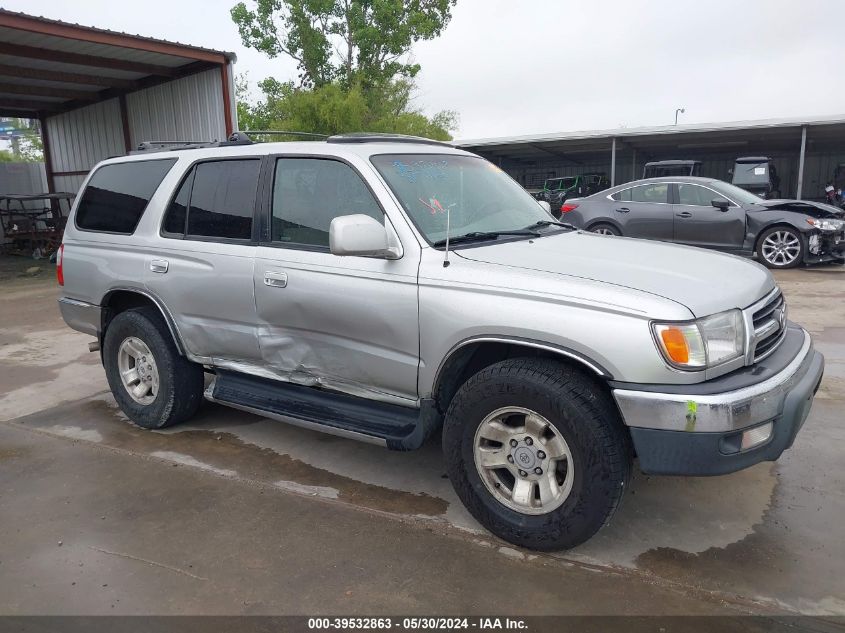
(98,93)
(805,151)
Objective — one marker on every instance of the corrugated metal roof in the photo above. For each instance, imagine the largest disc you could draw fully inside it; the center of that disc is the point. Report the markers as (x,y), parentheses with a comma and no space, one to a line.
(654,130)
(228,54)
(70,65)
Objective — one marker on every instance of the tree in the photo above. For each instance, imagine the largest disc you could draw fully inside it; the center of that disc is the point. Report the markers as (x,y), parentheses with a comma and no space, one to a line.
(343,40)
(27,146)
(334,109)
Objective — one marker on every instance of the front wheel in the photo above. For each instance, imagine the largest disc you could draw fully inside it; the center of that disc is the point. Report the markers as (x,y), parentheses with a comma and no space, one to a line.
(780,247)
(536,452)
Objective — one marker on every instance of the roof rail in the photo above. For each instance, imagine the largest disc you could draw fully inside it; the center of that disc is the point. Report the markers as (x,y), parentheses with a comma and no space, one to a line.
(236,138)
(379,137)
(288,133)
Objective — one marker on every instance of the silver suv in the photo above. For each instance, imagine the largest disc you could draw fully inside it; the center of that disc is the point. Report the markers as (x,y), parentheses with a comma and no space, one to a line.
(385,288)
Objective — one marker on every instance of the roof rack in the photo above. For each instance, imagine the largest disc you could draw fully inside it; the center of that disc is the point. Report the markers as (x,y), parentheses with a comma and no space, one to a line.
(378,137)
(236,138)
(288,133)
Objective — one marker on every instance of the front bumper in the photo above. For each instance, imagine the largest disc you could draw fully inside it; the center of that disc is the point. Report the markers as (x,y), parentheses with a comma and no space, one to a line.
(697,429)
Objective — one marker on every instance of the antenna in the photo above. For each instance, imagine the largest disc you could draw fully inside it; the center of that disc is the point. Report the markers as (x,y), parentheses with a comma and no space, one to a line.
(448,217)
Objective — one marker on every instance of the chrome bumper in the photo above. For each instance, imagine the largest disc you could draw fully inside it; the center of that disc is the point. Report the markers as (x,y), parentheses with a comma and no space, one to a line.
(81,315)
(714,413)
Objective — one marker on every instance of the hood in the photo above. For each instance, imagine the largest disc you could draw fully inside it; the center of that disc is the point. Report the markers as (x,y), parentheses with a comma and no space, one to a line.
(819,211)
(703,281)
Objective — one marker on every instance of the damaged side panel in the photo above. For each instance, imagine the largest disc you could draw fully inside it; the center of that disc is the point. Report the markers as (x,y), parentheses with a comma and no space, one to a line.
(347,324)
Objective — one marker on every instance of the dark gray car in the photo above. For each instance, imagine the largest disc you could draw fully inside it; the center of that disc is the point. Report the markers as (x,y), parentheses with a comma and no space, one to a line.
(714,214)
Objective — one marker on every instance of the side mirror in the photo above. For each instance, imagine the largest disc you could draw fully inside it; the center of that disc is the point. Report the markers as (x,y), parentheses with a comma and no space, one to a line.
(545,205)
(359,235)
(720,203)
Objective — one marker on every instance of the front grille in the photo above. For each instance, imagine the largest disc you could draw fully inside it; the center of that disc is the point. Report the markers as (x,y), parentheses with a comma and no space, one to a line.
(769,324)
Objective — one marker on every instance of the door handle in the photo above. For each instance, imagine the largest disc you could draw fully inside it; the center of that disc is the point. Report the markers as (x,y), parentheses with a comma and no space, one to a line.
(159,265)
(684,214)
(275,279)
(623,210)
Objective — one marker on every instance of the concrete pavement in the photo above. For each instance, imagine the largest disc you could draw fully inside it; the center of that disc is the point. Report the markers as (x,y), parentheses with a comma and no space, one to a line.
(228,491)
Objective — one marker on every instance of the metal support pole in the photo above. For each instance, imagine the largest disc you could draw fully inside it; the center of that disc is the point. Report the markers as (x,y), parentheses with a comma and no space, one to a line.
(634,164)
(801,161)
(613,162)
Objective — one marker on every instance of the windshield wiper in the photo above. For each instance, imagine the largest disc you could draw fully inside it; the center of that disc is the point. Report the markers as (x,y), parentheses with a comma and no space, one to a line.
(478,236)
(542,223)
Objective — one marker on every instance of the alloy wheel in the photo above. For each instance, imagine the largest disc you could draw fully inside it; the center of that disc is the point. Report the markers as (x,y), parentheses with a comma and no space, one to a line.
(523,461)
(138,370)
(781,248)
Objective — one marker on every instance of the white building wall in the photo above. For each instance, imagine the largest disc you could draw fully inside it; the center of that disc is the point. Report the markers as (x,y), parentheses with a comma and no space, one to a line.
(188,109)
(81,138)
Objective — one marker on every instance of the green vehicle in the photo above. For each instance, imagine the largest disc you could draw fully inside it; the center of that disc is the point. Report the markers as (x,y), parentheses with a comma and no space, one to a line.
(557,190)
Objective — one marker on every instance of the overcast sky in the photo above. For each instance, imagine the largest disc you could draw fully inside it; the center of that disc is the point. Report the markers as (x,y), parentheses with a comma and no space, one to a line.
(513,67)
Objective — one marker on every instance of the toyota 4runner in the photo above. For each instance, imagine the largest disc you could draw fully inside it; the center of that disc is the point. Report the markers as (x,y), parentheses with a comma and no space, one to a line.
(382,288)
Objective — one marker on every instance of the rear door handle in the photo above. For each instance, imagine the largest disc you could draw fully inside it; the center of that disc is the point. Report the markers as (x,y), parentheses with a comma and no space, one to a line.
(684,214)
(275,279)
(623,210)
(159,265)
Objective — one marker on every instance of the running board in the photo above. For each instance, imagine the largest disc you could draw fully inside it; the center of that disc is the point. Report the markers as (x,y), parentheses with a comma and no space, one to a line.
(398,428)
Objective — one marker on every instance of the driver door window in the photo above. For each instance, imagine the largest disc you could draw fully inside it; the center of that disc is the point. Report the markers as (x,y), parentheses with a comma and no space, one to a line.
(694,195)
(308,193)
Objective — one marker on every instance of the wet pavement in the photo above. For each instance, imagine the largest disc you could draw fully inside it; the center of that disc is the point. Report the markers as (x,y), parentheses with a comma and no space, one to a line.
(254,504)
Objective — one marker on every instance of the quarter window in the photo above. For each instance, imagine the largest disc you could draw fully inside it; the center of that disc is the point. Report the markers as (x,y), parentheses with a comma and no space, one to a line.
(308,193)
(118,194)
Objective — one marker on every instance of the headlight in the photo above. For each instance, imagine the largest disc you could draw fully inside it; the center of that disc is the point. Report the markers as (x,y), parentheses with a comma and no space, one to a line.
(826,225)
(703,343)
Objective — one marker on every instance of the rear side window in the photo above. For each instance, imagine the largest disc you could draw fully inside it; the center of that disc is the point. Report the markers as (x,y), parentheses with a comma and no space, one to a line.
(118,194)
(216,200)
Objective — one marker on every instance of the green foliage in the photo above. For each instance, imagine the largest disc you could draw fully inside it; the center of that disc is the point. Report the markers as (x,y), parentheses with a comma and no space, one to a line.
(363,41)
(27,146)
(334,109)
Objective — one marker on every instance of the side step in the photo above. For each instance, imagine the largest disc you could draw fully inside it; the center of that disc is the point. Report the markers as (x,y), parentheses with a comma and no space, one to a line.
(398,428)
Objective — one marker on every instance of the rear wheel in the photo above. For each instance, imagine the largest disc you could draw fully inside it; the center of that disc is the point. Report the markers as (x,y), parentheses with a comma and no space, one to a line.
(780,247)
(536,452)
(605,229)
(152,383)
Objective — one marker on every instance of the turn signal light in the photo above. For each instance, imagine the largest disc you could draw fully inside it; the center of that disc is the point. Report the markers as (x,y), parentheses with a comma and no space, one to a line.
(675,344)
(566,208)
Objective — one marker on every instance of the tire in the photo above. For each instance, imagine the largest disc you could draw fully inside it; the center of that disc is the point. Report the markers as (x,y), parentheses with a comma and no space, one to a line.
(175,384)
(791,242)
(576,409)
(605,229)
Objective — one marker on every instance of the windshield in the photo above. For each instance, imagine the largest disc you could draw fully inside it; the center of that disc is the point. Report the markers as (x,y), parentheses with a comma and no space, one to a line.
(735,193)
(475,194)
(751,173)
(558,184)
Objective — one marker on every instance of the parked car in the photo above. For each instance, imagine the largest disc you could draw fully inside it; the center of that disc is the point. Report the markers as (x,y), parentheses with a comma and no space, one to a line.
(660,168)
(381,287)
(713,214)
(758,175)
(557,190)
